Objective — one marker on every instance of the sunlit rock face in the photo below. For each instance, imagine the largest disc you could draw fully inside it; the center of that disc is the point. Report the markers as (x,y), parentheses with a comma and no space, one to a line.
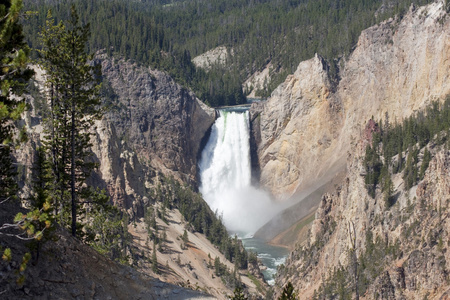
(297,126)
(307,126)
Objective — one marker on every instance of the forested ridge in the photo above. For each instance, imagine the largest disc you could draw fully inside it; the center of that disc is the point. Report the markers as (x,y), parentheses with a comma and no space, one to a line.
(167,34)
(128,30)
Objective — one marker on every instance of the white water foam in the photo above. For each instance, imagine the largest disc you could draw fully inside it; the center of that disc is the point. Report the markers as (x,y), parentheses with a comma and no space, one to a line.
(272,265)
(225,173)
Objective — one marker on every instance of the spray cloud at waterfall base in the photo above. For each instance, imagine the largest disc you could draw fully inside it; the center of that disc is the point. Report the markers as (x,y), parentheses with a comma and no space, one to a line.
(243,210)
(225,173)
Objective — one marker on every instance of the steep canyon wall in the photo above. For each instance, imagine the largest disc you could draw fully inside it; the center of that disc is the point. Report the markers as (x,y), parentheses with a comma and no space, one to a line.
(154,126)
(308,130)
(306,127)
(403,249)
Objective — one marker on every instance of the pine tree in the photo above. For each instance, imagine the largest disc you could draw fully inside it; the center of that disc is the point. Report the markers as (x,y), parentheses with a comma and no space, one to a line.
(238,294)
(373,166)
(288,292)
(185,238)
(41,179)
(154,259)
(40,200)
(218,266)
(73,84)
(55,141)
(425,163)
(106,232)
(410,172)
(14,74)
(399,165)
(388,190)
(150,221)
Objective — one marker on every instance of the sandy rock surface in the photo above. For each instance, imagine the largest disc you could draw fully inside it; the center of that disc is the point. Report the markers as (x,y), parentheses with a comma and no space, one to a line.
(304,130)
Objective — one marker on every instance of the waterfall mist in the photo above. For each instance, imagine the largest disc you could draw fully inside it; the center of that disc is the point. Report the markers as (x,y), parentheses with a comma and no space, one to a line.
(225,173)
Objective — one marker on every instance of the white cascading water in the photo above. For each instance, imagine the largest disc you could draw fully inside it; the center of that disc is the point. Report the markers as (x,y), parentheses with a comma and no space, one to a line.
(225,173)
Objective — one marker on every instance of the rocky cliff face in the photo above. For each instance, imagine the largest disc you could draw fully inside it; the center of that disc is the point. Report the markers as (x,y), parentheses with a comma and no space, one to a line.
(154,127)
(257,81)
(306,127)
(404,250)
(162,121)
(152,131)
(290,127)
(217,56)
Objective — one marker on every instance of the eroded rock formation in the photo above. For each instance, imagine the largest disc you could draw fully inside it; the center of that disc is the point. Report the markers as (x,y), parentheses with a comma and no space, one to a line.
(306,129)
(403,247)
(154,126)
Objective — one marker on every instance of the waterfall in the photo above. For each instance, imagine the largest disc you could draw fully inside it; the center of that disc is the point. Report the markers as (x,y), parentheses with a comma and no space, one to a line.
(225,174)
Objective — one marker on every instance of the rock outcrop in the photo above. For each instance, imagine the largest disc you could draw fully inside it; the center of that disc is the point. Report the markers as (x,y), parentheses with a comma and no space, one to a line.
(289,127)
(258,81)
(404,247)
(160,120)
(307,126)
(216,56)
(154,127)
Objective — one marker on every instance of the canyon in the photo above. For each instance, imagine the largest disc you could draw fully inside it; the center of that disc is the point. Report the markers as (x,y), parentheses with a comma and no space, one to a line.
(307,145)
(310,132)
(305,129)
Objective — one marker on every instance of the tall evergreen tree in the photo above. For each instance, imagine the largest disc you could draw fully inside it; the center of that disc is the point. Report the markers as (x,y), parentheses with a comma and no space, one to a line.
(73,92)
(154,259)
(388,190)
(41,179)
(238,294)
(425,163)
(14,74)
(410,172)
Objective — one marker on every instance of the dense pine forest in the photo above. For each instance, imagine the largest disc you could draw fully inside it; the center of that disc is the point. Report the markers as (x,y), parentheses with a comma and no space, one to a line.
(167,34)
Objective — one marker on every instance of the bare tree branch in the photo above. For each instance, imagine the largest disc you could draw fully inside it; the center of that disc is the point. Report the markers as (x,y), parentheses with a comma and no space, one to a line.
(5,200)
